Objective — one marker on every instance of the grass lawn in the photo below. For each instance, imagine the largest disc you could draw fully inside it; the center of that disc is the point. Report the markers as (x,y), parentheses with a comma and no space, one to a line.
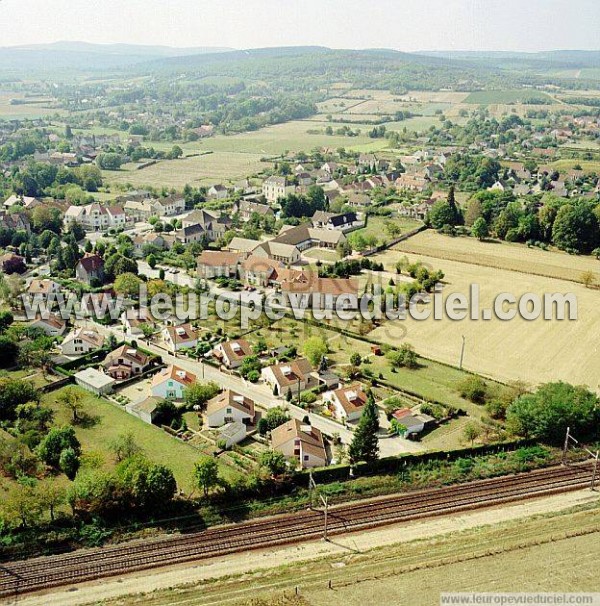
(109,421)
(432,381)
(376,226)
(322,254)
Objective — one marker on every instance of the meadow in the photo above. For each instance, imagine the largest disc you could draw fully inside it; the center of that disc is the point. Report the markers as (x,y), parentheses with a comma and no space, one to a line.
(488,97)
(35,107)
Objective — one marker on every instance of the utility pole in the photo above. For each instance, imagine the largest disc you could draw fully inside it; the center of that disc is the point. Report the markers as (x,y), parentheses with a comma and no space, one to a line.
(462,353)
(595,469)
(566,446)
(326,503)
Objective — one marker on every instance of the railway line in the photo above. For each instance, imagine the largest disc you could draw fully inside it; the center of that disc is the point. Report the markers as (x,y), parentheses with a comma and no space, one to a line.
(46,572)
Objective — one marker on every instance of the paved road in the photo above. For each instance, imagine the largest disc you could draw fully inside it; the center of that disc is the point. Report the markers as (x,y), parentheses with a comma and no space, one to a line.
(262,395)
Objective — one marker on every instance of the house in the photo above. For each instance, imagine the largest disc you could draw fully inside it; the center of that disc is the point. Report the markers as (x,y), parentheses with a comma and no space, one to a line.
(305,236)
(95,217)
(134,319)
(217,192)
(275,188)
(90,269)
(143,242)
(53,326)
(212,222)
(81,341)
(414,422)
(229,407)
(301,442)
(12,264)
(171,382)
(190,233)
(242,246)
(95,381)
(180,337)
(304,179)
(146,410)
(43,289)
(293,377)
(246,208)
(414,182)
(215,264)
(24,201)
(346,402)
(263,272)
(343,222)
(321,293)
(232,353)
(17,221)
(125,362)
(278,251)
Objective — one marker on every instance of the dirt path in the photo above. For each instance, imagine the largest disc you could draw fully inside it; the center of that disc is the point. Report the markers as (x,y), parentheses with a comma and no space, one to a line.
(92,593)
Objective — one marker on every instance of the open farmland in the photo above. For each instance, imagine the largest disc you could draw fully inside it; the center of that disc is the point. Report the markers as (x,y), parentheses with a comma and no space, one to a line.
(488,97)
(501,255)
(197,170)
(34,107)
(533,351)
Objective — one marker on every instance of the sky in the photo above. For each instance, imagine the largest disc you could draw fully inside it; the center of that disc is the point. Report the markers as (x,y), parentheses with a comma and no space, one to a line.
(407,25)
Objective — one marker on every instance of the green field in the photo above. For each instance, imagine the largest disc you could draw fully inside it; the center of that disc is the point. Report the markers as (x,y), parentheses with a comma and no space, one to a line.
(487,97)
(108,421)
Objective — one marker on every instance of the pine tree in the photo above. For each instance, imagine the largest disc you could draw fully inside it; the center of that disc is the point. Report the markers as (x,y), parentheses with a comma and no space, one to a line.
(365,446)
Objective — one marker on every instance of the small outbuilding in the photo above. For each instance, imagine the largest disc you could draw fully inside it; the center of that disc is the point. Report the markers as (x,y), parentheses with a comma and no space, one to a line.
(95,381)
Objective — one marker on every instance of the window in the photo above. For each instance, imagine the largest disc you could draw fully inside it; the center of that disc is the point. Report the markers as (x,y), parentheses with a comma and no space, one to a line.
(306,457)
(229,411)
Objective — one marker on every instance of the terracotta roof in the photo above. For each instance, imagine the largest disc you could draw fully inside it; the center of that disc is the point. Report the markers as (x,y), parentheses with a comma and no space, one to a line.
(309,282)
(212,258)
(128,354)
(236,350)
(288,373)
(92,337)
(352,398)
(231,399)
(312,441)
(182,333)
(174,373)
(91,262)
(43,287)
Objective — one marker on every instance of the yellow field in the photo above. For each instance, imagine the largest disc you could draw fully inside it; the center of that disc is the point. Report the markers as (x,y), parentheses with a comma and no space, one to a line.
(32,110)
(502,255)
(199,170)
(534,351)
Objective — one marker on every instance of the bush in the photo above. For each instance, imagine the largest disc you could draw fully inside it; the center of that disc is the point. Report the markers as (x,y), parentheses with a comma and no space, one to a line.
(474,389)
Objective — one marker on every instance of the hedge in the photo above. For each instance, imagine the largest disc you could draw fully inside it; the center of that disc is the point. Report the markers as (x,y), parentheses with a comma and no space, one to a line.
(391,465)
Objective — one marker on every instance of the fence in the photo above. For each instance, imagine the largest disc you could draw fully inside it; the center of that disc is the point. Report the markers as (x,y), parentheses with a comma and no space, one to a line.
(406,236)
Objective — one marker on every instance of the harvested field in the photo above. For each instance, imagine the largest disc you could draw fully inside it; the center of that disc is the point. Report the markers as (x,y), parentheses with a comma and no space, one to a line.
(501,255)
(533,351)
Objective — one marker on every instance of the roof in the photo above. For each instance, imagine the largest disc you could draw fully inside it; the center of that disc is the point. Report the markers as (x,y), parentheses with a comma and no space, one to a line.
(52,320)
(302,233)
(311,439)
(278,181)
(279,249)
(351,398)
(148,405)
(237,349)
(174,373)
(231,430)
(91,262)
(243,245)
(128,353)
(182,333)
(230,399)
(93,337)
(217,258)
(94,378)
(309,282)
(43,287)
(287,374)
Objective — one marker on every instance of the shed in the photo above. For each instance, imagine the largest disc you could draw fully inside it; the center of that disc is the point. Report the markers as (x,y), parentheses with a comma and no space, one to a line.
(232,433)
(95,381)
(146,410)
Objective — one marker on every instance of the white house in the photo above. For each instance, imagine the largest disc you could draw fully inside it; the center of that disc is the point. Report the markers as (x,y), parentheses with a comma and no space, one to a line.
(53,326)
(301,442)
(171,382)
(180,337)
(229,407)
(347,402)
(275,188)
(232,353)
(232,433)
(293,377)
(81,341)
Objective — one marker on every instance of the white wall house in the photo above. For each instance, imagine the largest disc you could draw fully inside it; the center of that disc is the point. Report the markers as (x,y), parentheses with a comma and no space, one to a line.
(171,383)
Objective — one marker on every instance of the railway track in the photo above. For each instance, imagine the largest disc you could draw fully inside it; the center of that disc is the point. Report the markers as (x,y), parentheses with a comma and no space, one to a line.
(86,565)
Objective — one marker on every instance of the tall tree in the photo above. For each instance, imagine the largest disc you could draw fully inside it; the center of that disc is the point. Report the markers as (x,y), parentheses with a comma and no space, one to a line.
(365,443)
